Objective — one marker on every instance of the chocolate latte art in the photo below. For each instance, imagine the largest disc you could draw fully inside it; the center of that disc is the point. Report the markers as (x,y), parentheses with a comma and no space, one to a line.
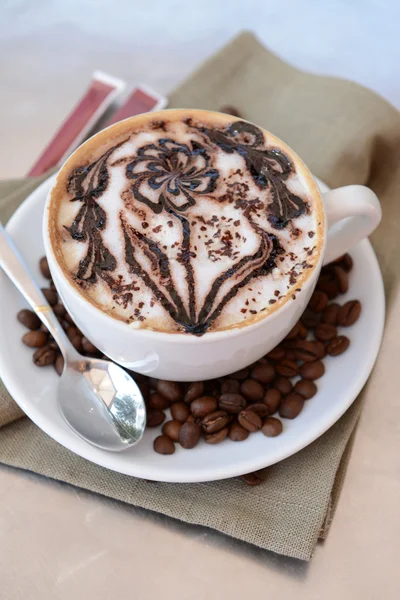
(186,221)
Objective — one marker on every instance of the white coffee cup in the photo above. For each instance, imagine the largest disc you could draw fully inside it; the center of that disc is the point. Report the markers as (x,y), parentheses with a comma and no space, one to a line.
(351,214)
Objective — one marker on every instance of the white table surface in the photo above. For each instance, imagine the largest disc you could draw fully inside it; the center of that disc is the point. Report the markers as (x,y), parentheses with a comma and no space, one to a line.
(57,542)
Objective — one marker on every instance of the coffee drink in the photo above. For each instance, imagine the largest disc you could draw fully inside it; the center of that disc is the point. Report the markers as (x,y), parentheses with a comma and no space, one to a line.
(186,221)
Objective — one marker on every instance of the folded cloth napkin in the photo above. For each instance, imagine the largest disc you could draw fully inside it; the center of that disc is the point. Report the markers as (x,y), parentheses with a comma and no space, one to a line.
(346,134)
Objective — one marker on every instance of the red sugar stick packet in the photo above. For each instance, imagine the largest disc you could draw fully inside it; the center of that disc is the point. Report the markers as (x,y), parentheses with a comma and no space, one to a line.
(102,92)
(141,100)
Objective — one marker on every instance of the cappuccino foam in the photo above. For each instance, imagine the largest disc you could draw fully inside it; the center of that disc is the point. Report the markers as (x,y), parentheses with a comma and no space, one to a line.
(186,221)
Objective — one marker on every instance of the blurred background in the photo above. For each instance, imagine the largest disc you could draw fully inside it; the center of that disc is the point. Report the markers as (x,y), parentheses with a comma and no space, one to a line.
(49,49)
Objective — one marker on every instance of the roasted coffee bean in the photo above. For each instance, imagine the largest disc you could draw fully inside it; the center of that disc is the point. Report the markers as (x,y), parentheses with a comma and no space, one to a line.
(271,427)
(325,332)
(142,385)
(312,370)
(169,389)
(203,406)
(218,437)
(35,339)
(320,349)
(212,387)
(231,110)
(347,263)
(75,337)
(328,286)
(59,311)
(88,347)
(152,382)
(59,364)
(69,319)
(318,301)
(330,314)
(157,401)
(50,295)
(291,406)
(164,445)
(44,356)
(283,384)
(276,354)
(307,350)
(232,403)
(249,420)
(29,319)
(260,361)
(337,261)
(338,345)
(154,417)
(327,272)
(305,388)
(215,421)
(53,344)
(349,313)
(237,433)
(44,267)
(195,390)
(293,333)
(290,355)
(189,435)
(172,429)
(288,345)
(303,331)
(242,374)
(230,386)
(73,331)
(184,385)
(264,373)
(342,278)
(252,479)
(287,368)
(180,411)
(310,319)
(252,390)
(260,409)
(272,398)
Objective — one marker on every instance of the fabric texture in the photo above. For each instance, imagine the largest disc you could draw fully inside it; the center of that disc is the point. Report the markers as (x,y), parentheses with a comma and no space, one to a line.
(346,134)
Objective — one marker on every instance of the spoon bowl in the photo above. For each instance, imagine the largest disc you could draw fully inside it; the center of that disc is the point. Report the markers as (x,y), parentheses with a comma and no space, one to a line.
(101,403)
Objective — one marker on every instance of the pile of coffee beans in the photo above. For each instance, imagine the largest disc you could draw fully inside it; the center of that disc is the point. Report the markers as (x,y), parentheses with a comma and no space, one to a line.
(233,407)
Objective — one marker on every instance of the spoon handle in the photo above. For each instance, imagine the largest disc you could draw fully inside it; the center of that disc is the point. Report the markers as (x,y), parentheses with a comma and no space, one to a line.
(13,265)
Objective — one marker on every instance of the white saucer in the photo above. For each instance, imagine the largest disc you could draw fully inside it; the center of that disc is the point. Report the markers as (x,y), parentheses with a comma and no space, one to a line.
(34,389)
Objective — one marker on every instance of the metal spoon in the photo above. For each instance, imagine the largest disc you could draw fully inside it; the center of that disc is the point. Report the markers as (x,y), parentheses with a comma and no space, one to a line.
(97,398)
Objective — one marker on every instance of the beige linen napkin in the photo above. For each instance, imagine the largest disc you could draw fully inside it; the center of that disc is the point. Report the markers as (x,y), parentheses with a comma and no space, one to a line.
(346,134)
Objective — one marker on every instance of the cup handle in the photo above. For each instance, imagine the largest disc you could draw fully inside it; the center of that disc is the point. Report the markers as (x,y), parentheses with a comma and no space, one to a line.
(353,212)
